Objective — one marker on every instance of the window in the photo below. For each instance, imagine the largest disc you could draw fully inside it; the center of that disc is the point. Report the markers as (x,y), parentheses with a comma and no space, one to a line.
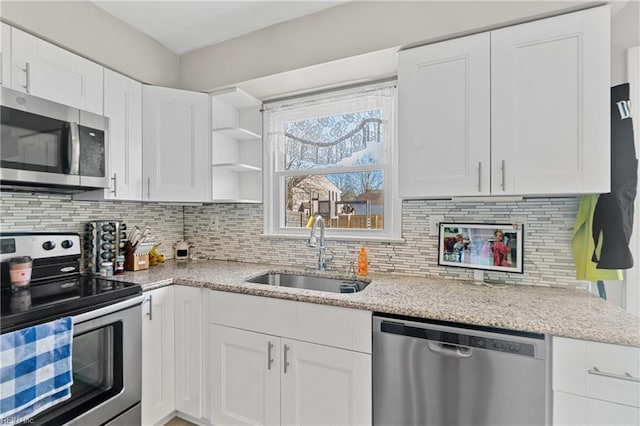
(333,155)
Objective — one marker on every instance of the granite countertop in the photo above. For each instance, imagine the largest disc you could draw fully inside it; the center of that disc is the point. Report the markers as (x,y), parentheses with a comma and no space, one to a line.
(556,311)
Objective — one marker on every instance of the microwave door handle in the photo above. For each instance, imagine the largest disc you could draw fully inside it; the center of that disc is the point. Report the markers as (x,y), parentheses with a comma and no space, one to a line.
(74,149)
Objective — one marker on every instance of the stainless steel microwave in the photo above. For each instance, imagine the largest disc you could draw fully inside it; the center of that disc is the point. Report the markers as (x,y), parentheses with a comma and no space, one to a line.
(46,144)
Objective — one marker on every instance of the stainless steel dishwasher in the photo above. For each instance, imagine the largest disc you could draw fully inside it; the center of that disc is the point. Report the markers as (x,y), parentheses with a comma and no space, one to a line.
(437,373)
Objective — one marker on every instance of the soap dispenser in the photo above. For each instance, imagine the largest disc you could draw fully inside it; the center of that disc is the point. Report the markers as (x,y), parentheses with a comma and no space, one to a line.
(363,267)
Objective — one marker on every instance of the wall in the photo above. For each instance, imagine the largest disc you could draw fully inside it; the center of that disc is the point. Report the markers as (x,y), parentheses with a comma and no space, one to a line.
(547,241)
(59,213)
(625,34)
(347,30)
(84,28)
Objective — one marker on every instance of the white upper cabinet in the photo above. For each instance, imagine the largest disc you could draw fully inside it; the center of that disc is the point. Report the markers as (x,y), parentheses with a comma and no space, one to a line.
(123,107)
(175,144)
(5,54)
(50,72)
(517,111)
(236,147)
(550,90)
(444,118)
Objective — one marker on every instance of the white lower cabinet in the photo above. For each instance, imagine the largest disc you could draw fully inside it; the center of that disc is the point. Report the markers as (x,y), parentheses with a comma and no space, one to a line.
(595,383)
(324,385)
(158,380)
(259,378)
(188,350)
(245,377)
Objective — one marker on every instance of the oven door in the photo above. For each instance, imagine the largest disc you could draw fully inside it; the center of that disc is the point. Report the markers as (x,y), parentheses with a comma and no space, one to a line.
(107,362)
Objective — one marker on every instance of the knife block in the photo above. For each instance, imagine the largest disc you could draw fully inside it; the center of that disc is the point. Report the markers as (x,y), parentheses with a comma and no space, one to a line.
(133,262)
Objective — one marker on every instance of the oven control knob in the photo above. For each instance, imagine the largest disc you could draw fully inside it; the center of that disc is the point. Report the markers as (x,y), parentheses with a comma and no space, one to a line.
(48,245)
(107,228)
(67,244)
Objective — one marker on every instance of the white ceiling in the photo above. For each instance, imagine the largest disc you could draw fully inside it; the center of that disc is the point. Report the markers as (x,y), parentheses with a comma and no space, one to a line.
(187,25)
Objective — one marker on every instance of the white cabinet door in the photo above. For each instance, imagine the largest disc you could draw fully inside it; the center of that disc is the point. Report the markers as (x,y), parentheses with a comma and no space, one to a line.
(158,358)
(123,107)
(5,54)
(550,105)
(444,107)
(245,380)
(52,73)
(324,385)
(188,343)
(176,163)
(608,413)
(577,410)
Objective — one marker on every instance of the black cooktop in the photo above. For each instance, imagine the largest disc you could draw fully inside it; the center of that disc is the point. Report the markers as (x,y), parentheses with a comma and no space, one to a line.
(56,298)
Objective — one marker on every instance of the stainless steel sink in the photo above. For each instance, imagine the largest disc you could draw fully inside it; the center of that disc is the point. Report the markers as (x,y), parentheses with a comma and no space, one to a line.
(310,282)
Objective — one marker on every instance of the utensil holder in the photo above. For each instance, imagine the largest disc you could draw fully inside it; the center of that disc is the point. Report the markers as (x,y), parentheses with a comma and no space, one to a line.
(133,262)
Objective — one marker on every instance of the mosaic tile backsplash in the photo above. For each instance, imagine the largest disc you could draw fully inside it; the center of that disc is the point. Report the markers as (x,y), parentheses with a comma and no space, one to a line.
(60,213)
(547,240)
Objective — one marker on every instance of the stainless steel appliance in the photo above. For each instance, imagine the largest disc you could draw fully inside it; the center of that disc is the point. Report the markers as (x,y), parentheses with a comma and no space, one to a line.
(107,335)
(46,144)
(439,373)
(104,240)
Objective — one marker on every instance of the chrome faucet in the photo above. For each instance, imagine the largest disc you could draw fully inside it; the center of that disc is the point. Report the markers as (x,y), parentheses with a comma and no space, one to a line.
(322,258)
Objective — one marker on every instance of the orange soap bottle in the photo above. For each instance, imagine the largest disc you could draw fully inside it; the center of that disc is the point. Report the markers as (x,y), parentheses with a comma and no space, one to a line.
(363,267)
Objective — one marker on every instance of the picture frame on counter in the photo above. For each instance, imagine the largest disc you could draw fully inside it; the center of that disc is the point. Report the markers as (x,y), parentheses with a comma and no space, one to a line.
(484,246)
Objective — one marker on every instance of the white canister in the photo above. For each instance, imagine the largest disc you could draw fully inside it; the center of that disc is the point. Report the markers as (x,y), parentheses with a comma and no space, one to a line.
(181,250)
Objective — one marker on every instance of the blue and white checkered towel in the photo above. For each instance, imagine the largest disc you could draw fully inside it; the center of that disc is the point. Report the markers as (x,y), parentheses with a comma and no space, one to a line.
(35,369)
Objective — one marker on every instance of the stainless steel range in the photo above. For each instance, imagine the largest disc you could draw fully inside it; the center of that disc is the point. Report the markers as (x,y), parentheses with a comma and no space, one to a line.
(106,354)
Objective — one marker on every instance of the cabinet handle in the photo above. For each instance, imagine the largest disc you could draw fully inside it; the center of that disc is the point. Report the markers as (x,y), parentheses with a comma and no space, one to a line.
(27,70)
(479,176)
(269,359)
(286,363)
(149,187)
(502,168)
(626,376)
(150,312)
(115,185)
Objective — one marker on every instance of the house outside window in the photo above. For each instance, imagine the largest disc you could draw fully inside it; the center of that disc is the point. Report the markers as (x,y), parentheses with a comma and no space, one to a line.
(333,155)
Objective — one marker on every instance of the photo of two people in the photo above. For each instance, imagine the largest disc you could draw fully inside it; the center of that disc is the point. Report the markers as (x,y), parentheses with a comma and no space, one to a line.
(481,246)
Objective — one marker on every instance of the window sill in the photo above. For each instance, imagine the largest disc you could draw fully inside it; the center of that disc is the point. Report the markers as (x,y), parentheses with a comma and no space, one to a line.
(329,238)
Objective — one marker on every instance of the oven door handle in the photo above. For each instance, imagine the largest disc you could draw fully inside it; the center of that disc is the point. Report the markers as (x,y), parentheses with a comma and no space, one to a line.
(87,316)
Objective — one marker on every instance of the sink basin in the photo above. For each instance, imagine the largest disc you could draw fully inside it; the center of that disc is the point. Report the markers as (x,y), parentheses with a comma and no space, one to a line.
(310,282)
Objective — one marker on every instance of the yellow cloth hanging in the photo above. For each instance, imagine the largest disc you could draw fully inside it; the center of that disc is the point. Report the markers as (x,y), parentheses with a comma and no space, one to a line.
(583,246)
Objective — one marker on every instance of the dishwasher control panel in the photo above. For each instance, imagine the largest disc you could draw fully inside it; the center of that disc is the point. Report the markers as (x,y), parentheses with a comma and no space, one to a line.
(460,339)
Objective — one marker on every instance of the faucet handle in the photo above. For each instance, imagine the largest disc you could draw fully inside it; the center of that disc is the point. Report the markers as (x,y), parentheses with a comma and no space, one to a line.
(352,267)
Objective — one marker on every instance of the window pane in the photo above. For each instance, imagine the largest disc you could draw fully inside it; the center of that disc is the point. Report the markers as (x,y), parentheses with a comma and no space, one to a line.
(338,140)
(345,200)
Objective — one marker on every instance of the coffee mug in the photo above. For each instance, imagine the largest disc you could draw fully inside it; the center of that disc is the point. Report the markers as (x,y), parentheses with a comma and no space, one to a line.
(20,270)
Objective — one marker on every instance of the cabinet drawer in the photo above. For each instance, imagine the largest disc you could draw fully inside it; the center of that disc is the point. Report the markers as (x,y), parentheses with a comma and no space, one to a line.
(326,325)
(576,410)
(334,326)
(254,313)
(597,370)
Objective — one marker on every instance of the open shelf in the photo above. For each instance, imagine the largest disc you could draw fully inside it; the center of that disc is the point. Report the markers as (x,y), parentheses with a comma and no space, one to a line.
(237,98)
(237,133)
(237,167)
(236,147)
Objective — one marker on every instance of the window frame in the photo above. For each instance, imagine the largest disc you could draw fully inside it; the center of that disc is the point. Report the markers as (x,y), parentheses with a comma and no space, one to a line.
(274,179)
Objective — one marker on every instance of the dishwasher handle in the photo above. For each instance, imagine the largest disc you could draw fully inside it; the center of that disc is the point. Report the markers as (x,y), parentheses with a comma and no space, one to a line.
(447,349)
